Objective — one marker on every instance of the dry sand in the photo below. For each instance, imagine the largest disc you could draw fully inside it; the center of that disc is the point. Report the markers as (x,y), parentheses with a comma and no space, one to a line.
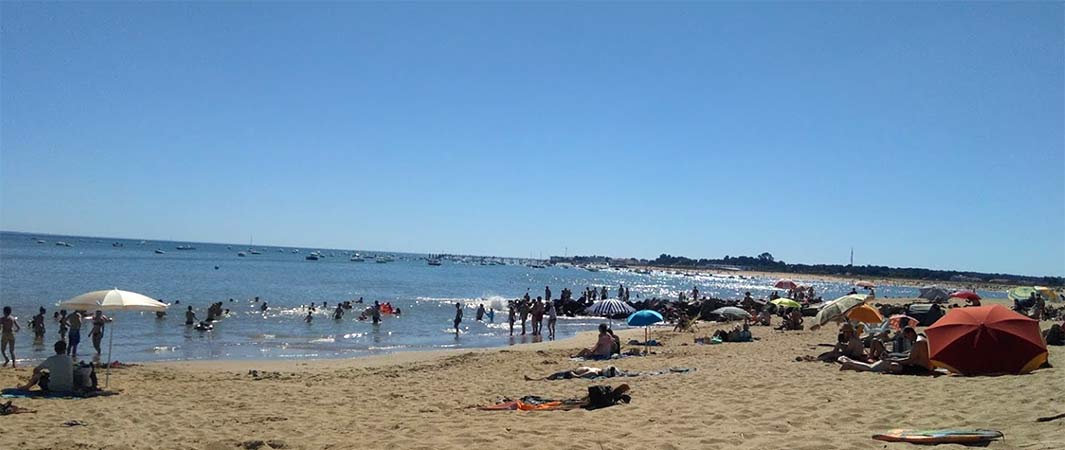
(751,395)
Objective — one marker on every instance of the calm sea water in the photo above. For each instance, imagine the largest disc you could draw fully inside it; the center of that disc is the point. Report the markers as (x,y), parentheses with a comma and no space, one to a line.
(36,274)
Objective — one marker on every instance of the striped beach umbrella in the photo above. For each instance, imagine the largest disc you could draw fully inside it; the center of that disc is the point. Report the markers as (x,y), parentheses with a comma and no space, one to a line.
(609,308)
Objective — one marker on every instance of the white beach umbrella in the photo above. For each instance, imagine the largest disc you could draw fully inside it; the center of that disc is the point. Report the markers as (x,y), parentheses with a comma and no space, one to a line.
(113,300)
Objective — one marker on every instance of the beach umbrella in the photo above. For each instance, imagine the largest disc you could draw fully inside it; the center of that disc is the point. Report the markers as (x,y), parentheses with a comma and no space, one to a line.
(731,312)
(865,284)
(986,340)
(113,300)
(965,294)
(609,308)
(786,303)
(1023,292)
(836,309)
(865,314)
(896,321)
(934,293)
(644,318)
(785,283)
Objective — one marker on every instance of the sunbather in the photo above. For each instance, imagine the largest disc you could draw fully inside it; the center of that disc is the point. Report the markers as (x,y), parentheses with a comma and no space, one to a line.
(603,347)
(580,372)
(916,363)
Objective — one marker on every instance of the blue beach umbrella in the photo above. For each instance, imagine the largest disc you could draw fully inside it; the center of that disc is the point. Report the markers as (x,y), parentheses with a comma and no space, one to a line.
(644,318)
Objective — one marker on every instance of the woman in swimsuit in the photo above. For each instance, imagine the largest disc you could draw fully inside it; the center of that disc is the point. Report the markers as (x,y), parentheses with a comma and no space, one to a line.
(97,332)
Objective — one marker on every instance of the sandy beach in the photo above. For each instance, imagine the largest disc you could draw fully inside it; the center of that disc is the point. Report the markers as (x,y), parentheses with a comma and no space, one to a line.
(741,395)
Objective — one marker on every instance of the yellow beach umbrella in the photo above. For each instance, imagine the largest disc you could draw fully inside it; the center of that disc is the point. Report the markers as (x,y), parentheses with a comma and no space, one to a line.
(786,303)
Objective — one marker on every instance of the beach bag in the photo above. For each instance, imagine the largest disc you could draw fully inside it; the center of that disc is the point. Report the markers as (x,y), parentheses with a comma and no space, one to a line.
(602,396)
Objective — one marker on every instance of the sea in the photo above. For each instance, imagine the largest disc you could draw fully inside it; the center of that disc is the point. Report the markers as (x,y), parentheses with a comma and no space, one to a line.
(37,271)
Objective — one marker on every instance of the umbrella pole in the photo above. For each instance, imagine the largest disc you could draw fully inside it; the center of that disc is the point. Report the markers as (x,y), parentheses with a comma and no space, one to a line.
(110,342)
(646,336)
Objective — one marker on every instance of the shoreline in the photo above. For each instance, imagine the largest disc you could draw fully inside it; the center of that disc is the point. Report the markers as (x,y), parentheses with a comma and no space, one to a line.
(584,338)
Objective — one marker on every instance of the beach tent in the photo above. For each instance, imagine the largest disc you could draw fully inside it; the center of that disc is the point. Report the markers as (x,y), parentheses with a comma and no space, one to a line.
(925,313)
(644,318)
(786,303)
(836,309)
(731,312)
(986,340)
(865,314)
(112,300)
(785,283)
(934,293)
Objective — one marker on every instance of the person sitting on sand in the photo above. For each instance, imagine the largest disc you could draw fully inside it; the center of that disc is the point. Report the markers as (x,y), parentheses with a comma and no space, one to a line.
(848,344)
(765,318)
(603,346)
(916,363)
(580,372)
(60,375)
(615,348)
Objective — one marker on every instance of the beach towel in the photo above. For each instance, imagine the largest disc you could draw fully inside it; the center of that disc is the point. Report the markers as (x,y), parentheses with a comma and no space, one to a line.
(941,436)
(533,403)
(22,393)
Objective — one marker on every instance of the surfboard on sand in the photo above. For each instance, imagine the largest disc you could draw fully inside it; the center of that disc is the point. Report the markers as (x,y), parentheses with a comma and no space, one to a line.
(941,436)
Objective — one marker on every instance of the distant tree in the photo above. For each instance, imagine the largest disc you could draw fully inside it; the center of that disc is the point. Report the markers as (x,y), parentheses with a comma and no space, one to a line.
(766,256)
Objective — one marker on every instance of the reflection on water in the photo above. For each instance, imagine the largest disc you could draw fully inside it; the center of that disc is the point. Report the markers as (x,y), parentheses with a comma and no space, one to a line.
(35,275)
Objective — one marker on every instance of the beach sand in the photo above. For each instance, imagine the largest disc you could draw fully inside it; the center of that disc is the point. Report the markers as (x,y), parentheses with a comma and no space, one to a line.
(749,396)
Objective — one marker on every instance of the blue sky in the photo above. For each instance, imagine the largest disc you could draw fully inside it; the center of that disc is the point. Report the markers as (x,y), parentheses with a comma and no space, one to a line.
(923,135)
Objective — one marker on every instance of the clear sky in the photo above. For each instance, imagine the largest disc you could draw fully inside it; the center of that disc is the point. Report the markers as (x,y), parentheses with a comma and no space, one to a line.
(923,135)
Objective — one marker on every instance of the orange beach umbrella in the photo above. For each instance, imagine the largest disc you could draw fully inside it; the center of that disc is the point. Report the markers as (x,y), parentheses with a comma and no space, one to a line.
(986,340)
(865,314)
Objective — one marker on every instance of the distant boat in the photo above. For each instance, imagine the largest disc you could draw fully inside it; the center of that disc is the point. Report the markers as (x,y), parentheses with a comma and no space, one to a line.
(159,252)
(312,257)
(434,262)
(254,252)
(117,244)
(384,259)
(355,257)
(141,243)
(242,254)
(42,241)
(281,250)
(295,250)
(185,247)
(63,244)
(229,247)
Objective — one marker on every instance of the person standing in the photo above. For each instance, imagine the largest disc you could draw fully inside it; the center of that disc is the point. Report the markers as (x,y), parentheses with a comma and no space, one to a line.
(63,327)
(97,332)
(74,336)
(190,316)
(480,312)
(547,293)
(538,317)
(510,318)
(8,327)
(458,317)
(37,325)
(603,295)
(552,317)
(523,313)
(695,293)
(375,313)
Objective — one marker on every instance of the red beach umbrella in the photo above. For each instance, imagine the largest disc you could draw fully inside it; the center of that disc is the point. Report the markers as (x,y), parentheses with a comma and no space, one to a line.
(986,340)
(785,284)
(965,294)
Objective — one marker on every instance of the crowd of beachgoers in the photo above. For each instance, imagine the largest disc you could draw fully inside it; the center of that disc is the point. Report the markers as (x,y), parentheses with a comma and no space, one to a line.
(893,346)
